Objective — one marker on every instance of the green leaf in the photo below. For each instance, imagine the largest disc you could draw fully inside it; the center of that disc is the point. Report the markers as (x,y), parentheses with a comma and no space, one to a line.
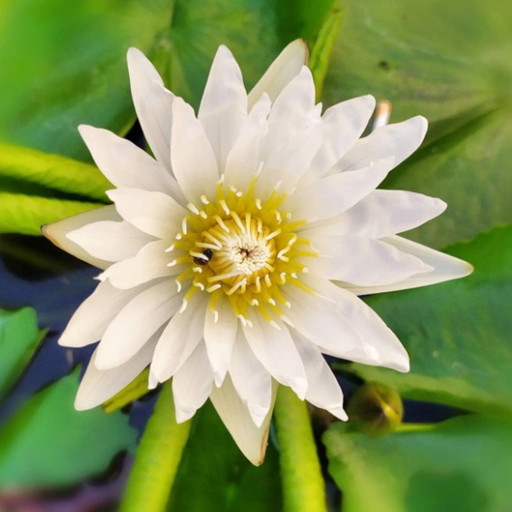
(321,51)
(25,214)
(74,71)
(73,67)
(158,458)
(48,443)
(37,188)
(457,333)
(449,61)
(254,30)
(19,338)
(136,389)
(50,174)
(463,464)
(301,474)
(213,471)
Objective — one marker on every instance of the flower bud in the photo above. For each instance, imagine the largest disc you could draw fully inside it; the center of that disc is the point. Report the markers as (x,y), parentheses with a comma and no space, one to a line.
(375,409)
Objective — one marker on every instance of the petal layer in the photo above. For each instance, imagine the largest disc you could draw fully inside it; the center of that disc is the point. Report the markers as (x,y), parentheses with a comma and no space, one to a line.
(97,386)
(153,104)
(251,440)
(223,107)
(110,241)
(136,323)
(445,268)
(287,65)
(57,233)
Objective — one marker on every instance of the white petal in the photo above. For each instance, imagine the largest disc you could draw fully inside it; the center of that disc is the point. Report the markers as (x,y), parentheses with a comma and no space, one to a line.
(110,241)
(57,233)
(297,97)
(124,164)
(223,107)
(287,65)
(383,213)
(251,380)
(333,195)
(288,154)
(192,384)
(294,137)
(219,335)
(154,213)
(323,389)
(380,346)
(387,212)
(342,126)
(276,351)
(192,156)
(245,157)
(136,323)
(150,263)
(91,319)
(321,321)
(445,268)
(251,440)
(153,104)
(97,386)
(179,339)
(362,261)
(398,140)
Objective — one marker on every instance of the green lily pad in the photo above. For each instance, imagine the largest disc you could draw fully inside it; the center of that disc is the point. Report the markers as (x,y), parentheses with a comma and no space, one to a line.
(25,214)
(74,71)
(457,333)
(254,30)
(50,175)
(49,444)
(449,61)
(37,188)
(19,338)
(463,464)
(214,473)
(73,68)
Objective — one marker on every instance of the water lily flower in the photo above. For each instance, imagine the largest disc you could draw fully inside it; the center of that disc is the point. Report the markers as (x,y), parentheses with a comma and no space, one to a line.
(234,258)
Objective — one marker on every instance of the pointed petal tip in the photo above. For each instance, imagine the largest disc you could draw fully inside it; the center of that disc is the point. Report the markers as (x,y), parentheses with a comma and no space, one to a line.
(466,269)
(83,401)
(301,47)
(422,124)
(258,414)
(63,342)
(44,230)
(152,380)
(224,50)
(370,101)
(338,412)
(440,205)
(300,387)
(260,458)
(104,359)
(133,54)
(218,377)
(400,364)
(132,51)
(84,128)
(183,413)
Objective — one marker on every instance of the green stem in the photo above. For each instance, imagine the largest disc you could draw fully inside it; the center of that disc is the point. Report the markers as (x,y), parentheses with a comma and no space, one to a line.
(303,484)
(157,458)
(323,47)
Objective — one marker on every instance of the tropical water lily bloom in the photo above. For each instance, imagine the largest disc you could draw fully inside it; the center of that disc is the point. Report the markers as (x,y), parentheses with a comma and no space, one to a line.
(234,259)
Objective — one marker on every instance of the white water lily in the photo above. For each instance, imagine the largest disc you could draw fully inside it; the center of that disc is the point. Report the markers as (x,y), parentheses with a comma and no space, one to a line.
(234,259)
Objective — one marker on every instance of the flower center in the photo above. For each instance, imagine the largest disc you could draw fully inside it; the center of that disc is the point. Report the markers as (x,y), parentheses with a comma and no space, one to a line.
(246,252)
(240,246)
